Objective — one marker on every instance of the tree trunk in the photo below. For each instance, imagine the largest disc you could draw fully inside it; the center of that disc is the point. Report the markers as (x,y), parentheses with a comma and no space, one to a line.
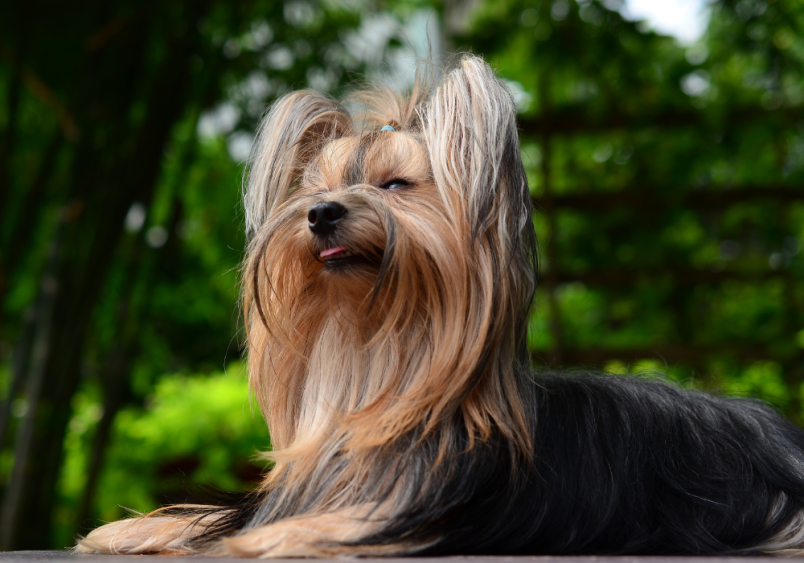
(9,137)
(20,357)
(24,447)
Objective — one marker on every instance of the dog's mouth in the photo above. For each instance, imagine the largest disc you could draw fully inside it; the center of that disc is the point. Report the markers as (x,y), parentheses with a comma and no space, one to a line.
(334,253)
(340,257)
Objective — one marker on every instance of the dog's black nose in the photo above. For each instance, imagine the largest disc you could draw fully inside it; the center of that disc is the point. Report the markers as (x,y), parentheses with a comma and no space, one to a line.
(323,217)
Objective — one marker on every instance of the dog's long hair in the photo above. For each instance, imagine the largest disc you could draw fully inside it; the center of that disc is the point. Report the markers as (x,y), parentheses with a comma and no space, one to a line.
(390,270)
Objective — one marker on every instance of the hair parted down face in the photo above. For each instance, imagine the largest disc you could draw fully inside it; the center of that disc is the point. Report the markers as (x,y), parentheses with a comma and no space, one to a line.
(405,308)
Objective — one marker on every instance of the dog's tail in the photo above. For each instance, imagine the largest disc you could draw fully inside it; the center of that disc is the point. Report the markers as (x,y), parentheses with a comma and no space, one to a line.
(161,532)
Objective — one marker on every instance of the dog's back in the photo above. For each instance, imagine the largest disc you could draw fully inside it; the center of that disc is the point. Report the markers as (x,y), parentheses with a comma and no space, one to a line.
(629,465)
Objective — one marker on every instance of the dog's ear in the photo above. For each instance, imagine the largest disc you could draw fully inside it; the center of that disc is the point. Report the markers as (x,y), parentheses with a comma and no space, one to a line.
(471,136)
(290,135)
(474,148)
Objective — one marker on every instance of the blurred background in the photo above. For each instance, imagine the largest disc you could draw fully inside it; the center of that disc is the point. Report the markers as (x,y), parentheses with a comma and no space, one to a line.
(664,142)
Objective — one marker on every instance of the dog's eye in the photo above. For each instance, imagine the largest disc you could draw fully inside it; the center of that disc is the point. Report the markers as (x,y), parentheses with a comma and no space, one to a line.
(394,184)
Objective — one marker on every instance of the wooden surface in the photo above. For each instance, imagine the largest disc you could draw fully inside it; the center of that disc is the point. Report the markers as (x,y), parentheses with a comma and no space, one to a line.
(50,556)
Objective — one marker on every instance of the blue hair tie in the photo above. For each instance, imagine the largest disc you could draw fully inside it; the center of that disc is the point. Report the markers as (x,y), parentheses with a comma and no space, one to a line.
(388,128)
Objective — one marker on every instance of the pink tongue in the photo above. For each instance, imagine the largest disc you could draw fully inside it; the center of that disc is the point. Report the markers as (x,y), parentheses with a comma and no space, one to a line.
(331,251)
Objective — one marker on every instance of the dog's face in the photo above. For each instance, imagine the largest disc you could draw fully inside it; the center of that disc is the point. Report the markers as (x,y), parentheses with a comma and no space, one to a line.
(365,209)
(354,182)
(389,269)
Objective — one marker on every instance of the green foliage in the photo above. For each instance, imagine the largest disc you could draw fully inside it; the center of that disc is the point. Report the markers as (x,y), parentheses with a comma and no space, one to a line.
(193,430)
(667,180)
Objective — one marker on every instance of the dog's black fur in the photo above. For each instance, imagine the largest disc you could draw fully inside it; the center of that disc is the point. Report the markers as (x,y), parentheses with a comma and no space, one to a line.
(628,465)
(623,465)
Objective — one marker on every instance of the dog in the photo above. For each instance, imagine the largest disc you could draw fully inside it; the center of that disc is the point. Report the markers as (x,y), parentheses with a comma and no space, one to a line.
(390,271)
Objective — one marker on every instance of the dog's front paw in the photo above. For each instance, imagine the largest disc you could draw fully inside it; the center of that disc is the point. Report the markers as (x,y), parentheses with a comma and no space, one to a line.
(138,536)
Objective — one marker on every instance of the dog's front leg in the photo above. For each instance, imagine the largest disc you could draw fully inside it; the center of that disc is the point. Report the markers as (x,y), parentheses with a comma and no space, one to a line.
(165,535)
(322,535)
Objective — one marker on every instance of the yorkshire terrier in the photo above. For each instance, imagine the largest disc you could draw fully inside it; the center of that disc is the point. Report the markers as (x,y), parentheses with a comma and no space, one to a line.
(389,276)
